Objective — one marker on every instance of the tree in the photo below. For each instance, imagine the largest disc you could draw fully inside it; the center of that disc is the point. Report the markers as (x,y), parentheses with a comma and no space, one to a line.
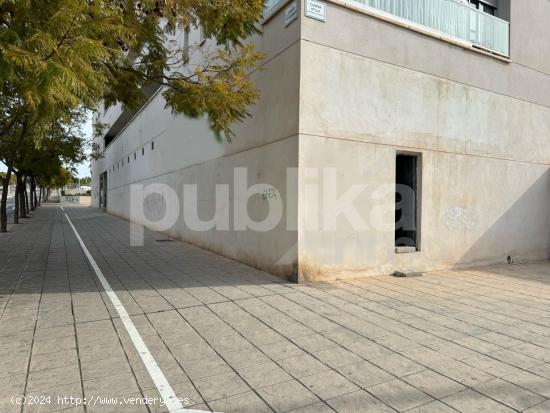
(56,178)
(12,180)
(86,181)
(66,53)
(62,146)
(58,55)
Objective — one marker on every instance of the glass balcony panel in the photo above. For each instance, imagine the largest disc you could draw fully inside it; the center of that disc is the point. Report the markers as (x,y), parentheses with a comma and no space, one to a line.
(448,17)
(451,18)
(270,5)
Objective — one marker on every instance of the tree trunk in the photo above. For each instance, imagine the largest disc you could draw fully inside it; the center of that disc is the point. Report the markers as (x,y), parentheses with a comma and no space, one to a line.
(22,201)
(27,206)
(4,201)
(17,199)
(40,196)
(31,193)
(26,194)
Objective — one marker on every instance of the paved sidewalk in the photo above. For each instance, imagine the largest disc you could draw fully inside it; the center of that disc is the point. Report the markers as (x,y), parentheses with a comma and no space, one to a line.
(230,338)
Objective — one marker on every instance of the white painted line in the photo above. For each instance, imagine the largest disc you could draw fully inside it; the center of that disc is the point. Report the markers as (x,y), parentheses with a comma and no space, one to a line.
(173,404)
(63,210)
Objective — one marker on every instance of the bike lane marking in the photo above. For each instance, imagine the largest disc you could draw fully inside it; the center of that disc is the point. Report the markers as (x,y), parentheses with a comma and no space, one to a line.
(173,404)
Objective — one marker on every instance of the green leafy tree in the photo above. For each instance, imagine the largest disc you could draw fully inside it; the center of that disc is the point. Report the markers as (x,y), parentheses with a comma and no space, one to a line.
(65,53)
(62,145)
(86,181)
(58,55)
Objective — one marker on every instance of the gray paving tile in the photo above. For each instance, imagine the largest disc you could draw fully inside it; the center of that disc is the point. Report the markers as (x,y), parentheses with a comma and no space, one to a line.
(516,359)
(54,399)
(463,373)
(281,350)
(530,382)
(314,342)
(509,394)
(337,357)
(54,345)
(328,384)
(106,367)
(434,332)
(399,395)
(264,375)
(542,370)
(396,342)
(398,365)
(52,378)
(491,366)
(365,374)
(433,407)
(12,384)
(290,395)
(499,339)
(470,401)
(434,384)
(301,366)
(540,408)
(533,351)
(116,385)
(359,401)
(248,402)
(14,363)
(314,408)
(54,360)
(240,360)
(221,386)
(204,367)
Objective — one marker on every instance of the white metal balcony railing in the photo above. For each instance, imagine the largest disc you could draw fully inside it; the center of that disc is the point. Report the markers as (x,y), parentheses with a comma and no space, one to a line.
(449,17)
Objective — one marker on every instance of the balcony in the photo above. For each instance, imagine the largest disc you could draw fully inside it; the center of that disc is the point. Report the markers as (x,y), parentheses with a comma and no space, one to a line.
(451,18)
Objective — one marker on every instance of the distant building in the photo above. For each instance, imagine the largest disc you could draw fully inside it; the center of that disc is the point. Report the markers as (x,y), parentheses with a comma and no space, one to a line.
(447,100)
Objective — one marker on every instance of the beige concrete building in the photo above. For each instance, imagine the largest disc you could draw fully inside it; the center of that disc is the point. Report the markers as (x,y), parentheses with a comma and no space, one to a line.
(445,102)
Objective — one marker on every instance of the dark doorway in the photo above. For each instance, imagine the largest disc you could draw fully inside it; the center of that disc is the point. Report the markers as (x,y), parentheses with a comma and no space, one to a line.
(103,190)
(407,200)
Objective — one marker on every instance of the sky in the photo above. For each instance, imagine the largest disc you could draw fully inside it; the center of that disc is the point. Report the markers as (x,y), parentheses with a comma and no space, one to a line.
(83,169)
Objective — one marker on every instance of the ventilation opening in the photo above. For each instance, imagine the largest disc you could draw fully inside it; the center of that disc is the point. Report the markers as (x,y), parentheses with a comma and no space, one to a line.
(407,202)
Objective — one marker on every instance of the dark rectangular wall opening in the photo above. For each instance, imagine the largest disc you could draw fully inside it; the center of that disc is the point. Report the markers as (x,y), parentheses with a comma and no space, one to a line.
(103,190)
(108,139)
(407,200)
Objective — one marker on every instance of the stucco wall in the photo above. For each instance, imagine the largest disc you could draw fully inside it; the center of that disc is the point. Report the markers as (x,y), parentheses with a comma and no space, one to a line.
(273,250)
(342,97)
(481,125)
(186,152)
(475,210)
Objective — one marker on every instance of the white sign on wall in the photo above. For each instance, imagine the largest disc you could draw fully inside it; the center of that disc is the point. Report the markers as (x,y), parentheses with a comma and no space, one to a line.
(316,9)
(291,13)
